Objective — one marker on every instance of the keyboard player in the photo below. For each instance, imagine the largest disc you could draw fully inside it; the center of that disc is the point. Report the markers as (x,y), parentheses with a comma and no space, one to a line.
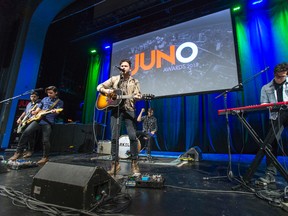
(275,91)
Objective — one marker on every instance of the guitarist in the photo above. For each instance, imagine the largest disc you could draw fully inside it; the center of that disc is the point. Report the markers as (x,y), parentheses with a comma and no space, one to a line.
(29,111)
(45,124)
(129,86)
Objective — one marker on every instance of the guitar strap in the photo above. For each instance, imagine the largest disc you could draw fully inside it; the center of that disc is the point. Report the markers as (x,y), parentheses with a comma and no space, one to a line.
(121,81)
(54,104)
(32,109)
(50,108)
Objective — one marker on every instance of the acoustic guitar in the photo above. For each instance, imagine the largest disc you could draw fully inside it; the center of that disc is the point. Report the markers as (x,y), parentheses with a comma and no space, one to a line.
(114,99)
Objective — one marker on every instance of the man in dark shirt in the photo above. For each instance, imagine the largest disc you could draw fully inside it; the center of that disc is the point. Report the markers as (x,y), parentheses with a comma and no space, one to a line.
(52,104)
(149,128)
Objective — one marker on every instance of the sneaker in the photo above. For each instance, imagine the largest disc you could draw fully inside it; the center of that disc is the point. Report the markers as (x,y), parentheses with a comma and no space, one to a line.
(43,161)
(267,179)
(15,156)
(135,168)
(118,168)
(27,154)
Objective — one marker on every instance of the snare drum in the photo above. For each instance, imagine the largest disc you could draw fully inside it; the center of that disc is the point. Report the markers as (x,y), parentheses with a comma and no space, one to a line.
(124,146)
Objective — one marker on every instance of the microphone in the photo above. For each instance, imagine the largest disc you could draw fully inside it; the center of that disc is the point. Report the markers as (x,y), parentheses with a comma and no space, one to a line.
(121,69)
(33,90)
(38,89)
(265,69)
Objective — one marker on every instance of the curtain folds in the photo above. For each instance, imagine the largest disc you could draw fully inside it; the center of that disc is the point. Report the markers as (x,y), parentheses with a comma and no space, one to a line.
(188,121)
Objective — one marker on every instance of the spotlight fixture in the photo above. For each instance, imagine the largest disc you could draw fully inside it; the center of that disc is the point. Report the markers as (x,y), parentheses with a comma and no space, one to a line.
(237,8)
(257,2)
(93,51)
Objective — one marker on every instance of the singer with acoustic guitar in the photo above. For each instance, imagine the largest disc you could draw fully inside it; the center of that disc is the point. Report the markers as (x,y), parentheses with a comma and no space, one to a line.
(44,118)
(125,85)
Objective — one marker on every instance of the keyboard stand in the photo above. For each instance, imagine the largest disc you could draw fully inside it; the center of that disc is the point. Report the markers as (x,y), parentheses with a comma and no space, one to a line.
(264,147)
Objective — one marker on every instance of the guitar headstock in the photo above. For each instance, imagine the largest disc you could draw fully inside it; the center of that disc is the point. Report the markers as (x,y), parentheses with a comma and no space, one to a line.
(148,96)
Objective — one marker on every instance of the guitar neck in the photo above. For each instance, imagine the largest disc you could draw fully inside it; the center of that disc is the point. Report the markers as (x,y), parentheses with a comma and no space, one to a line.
(45,112)
(124,96)
(144,96)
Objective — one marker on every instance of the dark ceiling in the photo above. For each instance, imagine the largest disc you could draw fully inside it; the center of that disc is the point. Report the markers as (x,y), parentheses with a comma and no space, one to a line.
(87,23)
(90,23)
(113,20)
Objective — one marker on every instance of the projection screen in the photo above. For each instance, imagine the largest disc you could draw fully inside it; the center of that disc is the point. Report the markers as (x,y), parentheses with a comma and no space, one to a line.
(193,57)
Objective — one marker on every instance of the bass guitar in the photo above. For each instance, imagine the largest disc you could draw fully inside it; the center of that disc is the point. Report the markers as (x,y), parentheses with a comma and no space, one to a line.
(41,114)
(114,99)
(23,122)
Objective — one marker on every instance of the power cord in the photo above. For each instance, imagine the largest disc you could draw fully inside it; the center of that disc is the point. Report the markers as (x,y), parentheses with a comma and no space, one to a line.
(275,197)
(113,205)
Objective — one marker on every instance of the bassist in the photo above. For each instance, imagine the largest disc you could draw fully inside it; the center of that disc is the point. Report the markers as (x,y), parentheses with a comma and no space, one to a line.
(129,86)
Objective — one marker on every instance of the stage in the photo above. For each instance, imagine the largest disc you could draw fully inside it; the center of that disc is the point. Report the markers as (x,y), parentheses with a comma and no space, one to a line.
(190,187)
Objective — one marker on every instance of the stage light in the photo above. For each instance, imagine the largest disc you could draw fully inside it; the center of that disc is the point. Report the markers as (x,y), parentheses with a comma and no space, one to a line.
(107,47)
(237,8)
(93,51)
(257,2)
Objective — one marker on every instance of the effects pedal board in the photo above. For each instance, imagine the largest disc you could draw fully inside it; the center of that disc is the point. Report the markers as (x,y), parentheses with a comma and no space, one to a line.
(145,181)
(21,164)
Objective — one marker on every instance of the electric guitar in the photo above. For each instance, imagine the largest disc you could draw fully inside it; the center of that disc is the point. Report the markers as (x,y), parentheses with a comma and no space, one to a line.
(115,98)
(23,122)
(41,114)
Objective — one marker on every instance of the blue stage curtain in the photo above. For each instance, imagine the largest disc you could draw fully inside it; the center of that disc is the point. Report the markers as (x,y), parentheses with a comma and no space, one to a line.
(188,121)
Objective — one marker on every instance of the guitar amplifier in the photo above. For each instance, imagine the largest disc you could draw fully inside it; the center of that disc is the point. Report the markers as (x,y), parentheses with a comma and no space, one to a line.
(104,147)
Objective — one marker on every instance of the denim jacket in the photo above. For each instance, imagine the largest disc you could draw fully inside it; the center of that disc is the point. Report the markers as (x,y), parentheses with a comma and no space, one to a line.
(269,95)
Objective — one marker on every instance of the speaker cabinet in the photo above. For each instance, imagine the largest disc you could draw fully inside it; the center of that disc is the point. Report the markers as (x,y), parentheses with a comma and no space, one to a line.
(193,154)
(73,186)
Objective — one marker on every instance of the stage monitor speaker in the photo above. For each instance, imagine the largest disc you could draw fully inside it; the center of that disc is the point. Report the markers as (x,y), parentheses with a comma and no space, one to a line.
(73,186)
(193,154)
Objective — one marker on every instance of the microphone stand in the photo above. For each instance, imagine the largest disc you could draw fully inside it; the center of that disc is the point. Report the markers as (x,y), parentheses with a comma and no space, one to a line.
(118,129)
(229,169)
(230,174)
(7,101)
(12,98)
